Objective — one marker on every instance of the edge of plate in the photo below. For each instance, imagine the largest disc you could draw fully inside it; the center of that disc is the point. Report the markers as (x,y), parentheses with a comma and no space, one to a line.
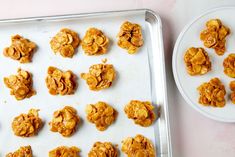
(175,71)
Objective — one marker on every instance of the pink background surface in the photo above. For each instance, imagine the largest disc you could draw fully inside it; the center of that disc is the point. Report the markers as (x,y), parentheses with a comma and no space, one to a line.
(193,135)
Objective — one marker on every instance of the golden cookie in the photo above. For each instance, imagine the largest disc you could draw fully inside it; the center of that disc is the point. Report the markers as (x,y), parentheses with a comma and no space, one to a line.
(21,49)
(59,82)
(20,84)
(65,42)
(197,61)
(130,37)
(232,88)
(139,146)
(95,42)
(65,121)
(26,125)
(25,151)
(212,93)
(64,151)
(229,65)
(101,114)
(141,112)
(214,36)
(100,76)
(105,149)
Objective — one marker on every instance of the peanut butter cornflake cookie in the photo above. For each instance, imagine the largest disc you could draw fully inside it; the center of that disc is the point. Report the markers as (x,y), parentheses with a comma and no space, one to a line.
(139,146)
(64,151)
(65,42)
(20,84)
(232,88)
(21,49)
(105,149)
(100,76)
(101,114)
(24,151)
(197,61)
(212,93)
(214,36)
(26,125)
(229,65)
(65,121)
(141,112)
(59,82)
(130,37)
(95,42)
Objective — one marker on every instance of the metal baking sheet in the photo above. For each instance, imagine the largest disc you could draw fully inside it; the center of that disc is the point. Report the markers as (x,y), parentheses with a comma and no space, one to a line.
(140,76)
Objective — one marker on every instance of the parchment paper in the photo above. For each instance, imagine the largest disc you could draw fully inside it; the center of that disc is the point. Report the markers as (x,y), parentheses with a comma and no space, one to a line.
(133,82)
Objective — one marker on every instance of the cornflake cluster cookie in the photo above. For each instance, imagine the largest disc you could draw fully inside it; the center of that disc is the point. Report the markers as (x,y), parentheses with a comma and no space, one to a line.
(141,112)
(65,121)
(26,125)
(212,93)
(64,151)
(197,61)
(232,88)
(100,76)
(59,82)
(25,151)
(229,65)
(65,42)
(105,149)
(21,49)
(139,146)
(95,42)
(101,114)
(214,36)
(130,37)
(20,84)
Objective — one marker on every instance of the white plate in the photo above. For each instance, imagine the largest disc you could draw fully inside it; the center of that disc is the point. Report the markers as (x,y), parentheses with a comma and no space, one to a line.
(187,84)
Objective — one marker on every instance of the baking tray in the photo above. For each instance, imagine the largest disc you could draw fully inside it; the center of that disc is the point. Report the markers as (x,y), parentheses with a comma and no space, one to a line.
(154,62)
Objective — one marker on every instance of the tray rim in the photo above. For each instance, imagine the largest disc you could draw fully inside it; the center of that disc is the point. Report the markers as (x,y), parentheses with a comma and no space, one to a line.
(94,14)
(165,98)
(76,15)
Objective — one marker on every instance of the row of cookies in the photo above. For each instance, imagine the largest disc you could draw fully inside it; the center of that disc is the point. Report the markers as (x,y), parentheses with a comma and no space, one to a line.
(198,62)
(213,93)
(66,41)
(138,146)
(65,121)
(100,76)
